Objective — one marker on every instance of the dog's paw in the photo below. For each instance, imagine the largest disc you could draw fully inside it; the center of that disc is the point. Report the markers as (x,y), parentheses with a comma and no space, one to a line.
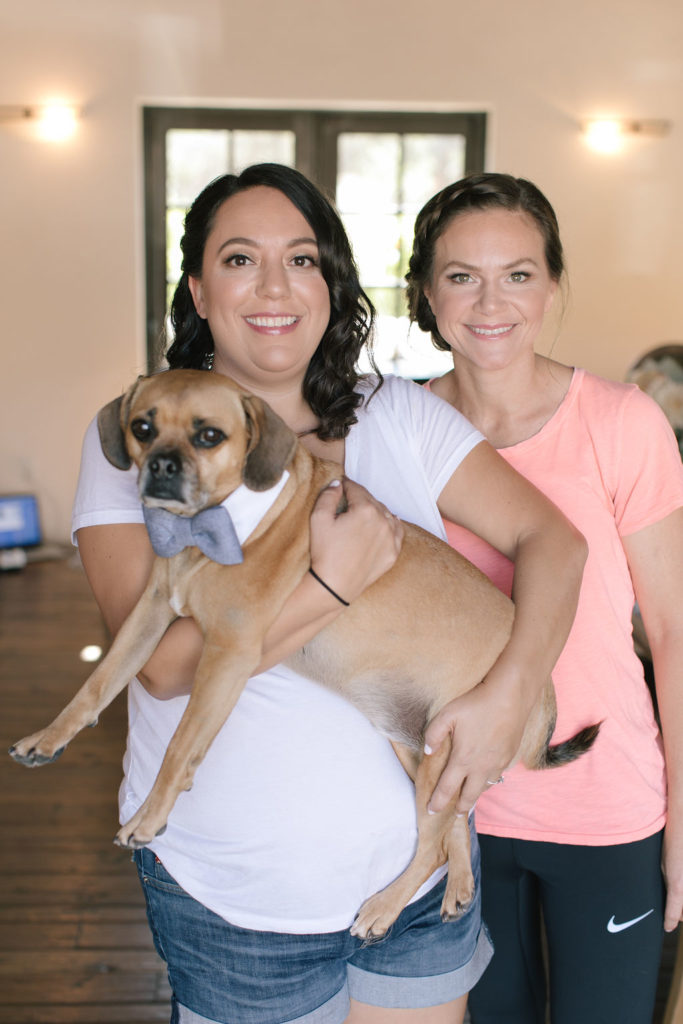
(33,752)
(458,897)
(130,843)
(453,915)
(374,919)
(134,837)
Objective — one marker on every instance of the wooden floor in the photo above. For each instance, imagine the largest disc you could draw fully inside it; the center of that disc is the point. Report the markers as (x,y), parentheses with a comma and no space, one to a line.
(74,943)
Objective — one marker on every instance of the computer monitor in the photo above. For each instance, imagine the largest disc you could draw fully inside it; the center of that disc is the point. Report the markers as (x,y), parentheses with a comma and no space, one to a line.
(19,521)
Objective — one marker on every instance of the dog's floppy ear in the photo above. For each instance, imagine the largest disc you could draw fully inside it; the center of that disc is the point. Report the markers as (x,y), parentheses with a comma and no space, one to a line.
(109,423)
(271,445)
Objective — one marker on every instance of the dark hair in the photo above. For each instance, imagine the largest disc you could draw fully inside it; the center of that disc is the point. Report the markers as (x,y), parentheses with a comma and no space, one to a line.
(332,374)
(475,192)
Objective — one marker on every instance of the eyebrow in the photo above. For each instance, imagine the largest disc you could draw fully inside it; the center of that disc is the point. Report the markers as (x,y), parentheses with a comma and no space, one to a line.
(239,240)
(506,266)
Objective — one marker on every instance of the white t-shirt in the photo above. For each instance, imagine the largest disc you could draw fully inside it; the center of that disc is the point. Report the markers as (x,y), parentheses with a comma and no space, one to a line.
(300,810)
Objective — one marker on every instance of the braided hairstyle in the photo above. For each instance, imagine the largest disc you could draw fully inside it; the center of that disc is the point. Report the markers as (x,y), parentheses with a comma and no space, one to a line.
(475,192)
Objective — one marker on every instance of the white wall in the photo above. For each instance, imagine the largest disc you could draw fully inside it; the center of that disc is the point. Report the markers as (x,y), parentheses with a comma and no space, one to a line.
(71,261)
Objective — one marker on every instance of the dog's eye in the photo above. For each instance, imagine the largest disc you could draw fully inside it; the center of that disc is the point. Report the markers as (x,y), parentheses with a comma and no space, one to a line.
(142,430)
(208,437)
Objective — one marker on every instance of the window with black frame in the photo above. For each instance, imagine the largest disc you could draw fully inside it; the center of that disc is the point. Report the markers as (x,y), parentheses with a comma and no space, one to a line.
(378,167)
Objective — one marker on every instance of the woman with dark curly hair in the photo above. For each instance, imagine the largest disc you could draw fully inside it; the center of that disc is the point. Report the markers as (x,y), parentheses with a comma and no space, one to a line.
(332,373)
(300,810)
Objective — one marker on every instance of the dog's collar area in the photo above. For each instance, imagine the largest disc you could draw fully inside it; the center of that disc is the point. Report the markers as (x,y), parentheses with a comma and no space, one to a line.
(247,508)
(243,508)
(212,531)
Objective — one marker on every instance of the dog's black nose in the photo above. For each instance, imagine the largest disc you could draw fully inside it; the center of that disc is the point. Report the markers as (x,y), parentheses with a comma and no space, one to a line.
(165,465)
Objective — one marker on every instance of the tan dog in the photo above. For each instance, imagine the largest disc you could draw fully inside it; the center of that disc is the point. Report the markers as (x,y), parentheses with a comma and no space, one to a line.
(424,633)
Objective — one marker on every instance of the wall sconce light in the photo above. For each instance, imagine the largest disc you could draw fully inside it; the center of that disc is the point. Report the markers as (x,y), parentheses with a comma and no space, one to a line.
(608,134)
(55,122)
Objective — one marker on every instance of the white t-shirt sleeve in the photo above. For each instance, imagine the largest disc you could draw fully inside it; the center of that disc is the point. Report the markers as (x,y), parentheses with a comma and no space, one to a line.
(104,493)
(405,448)
(440,435)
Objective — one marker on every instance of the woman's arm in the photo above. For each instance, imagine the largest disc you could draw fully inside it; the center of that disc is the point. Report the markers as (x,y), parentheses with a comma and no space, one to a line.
(655,558)
(117,560)
(489,498)
(348,551)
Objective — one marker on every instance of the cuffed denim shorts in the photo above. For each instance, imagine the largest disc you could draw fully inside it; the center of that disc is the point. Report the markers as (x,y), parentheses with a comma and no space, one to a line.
(221,974)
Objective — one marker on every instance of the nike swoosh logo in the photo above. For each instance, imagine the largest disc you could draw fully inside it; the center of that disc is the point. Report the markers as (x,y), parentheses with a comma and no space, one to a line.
(613,927)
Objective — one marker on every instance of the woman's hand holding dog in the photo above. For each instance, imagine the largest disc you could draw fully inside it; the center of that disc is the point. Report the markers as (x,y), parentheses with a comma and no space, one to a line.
(353,546)
(350,549)
(485,727)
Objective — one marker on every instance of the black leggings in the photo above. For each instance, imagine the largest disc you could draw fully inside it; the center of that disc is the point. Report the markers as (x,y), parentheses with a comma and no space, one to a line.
(603,909)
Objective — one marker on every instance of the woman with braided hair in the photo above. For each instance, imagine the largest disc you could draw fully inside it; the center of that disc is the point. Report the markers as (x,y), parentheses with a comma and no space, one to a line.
(580,847)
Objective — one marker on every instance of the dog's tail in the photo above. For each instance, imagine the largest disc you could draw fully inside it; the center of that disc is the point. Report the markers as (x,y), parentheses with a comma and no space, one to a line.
(555,755)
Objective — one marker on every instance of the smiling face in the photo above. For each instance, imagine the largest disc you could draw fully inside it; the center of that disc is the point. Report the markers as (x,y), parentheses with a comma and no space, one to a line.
(261,290)
(490,287)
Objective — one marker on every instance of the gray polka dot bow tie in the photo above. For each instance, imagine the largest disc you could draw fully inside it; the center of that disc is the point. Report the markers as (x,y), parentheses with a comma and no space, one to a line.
(212,531)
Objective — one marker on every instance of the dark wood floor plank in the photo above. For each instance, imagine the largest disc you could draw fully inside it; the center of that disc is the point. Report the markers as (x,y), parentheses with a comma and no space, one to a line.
(99,1013)
(73,987)
(61,857)
(46,889)
(23,963)
(120,914)
(42,935)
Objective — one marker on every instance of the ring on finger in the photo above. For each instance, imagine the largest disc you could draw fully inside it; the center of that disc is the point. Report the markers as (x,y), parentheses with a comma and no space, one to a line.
(495,782)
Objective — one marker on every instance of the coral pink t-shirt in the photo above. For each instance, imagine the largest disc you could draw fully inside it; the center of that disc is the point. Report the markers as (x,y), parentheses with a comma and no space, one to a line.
(609,460)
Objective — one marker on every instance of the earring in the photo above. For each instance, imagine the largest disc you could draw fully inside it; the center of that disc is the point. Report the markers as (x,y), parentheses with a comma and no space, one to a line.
(207,361)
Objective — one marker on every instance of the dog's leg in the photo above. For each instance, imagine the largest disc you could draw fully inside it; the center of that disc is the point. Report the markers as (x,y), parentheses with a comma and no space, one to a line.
(221,676)
(439,836)
(460,885)
(409,758)
(134,644)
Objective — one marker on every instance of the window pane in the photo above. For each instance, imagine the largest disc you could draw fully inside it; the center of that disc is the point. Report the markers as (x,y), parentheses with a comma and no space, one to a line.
(252,147)
(430,163)
(368,171)
(387,301)
(193,158)
(174,232)
(402,349)
(374,239)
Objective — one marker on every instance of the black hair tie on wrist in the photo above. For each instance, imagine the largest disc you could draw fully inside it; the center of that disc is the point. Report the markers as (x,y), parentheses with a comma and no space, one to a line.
(333,592)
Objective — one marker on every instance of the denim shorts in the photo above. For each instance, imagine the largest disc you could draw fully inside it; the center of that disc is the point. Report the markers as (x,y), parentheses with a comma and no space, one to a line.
(221,974)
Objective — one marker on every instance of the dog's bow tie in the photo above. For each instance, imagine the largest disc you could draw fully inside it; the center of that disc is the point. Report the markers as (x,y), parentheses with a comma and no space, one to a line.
(212,531)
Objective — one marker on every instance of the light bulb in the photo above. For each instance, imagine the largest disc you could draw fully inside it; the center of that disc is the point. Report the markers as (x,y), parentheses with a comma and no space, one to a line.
(57,122)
